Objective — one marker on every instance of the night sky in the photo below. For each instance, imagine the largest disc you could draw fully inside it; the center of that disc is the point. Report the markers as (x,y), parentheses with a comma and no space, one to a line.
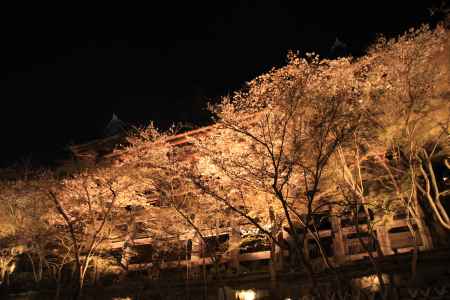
(62,77)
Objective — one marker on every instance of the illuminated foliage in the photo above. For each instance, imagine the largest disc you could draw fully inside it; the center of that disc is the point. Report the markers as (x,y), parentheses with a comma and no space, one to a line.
(315,137)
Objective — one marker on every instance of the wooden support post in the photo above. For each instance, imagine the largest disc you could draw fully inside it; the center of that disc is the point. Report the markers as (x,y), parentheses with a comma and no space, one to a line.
(338,238)
(383,235)
(235,240)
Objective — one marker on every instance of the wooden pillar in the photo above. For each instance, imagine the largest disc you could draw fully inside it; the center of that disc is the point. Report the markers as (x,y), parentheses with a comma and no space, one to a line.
(279,255)
(383,233)
(197,245)
(274,256)
(235,240)
(129,241)
(423,229)
(338,237)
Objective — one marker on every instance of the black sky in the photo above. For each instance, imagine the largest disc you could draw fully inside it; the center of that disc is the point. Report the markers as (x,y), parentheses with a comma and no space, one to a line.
(64,71)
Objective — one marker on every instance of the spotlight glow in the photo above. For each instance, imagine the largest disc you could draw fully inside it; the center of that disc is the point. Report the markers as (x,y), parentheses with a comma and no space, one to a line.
(246,295)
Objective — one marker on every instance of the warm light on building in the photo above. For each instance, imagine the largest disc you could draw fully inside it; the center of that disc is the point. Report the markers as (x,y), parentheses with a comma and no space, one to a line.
(246,295)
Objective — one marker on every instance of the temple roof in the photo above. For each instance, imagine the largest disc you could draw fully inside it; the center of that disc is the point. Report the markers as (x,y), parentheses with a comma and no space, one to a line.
(115,126)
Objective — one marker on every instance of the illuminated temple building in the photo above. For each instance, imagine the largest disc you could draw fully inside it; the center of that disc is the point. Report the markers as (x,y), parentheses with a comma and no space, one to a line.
(344,244)
(207,213)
